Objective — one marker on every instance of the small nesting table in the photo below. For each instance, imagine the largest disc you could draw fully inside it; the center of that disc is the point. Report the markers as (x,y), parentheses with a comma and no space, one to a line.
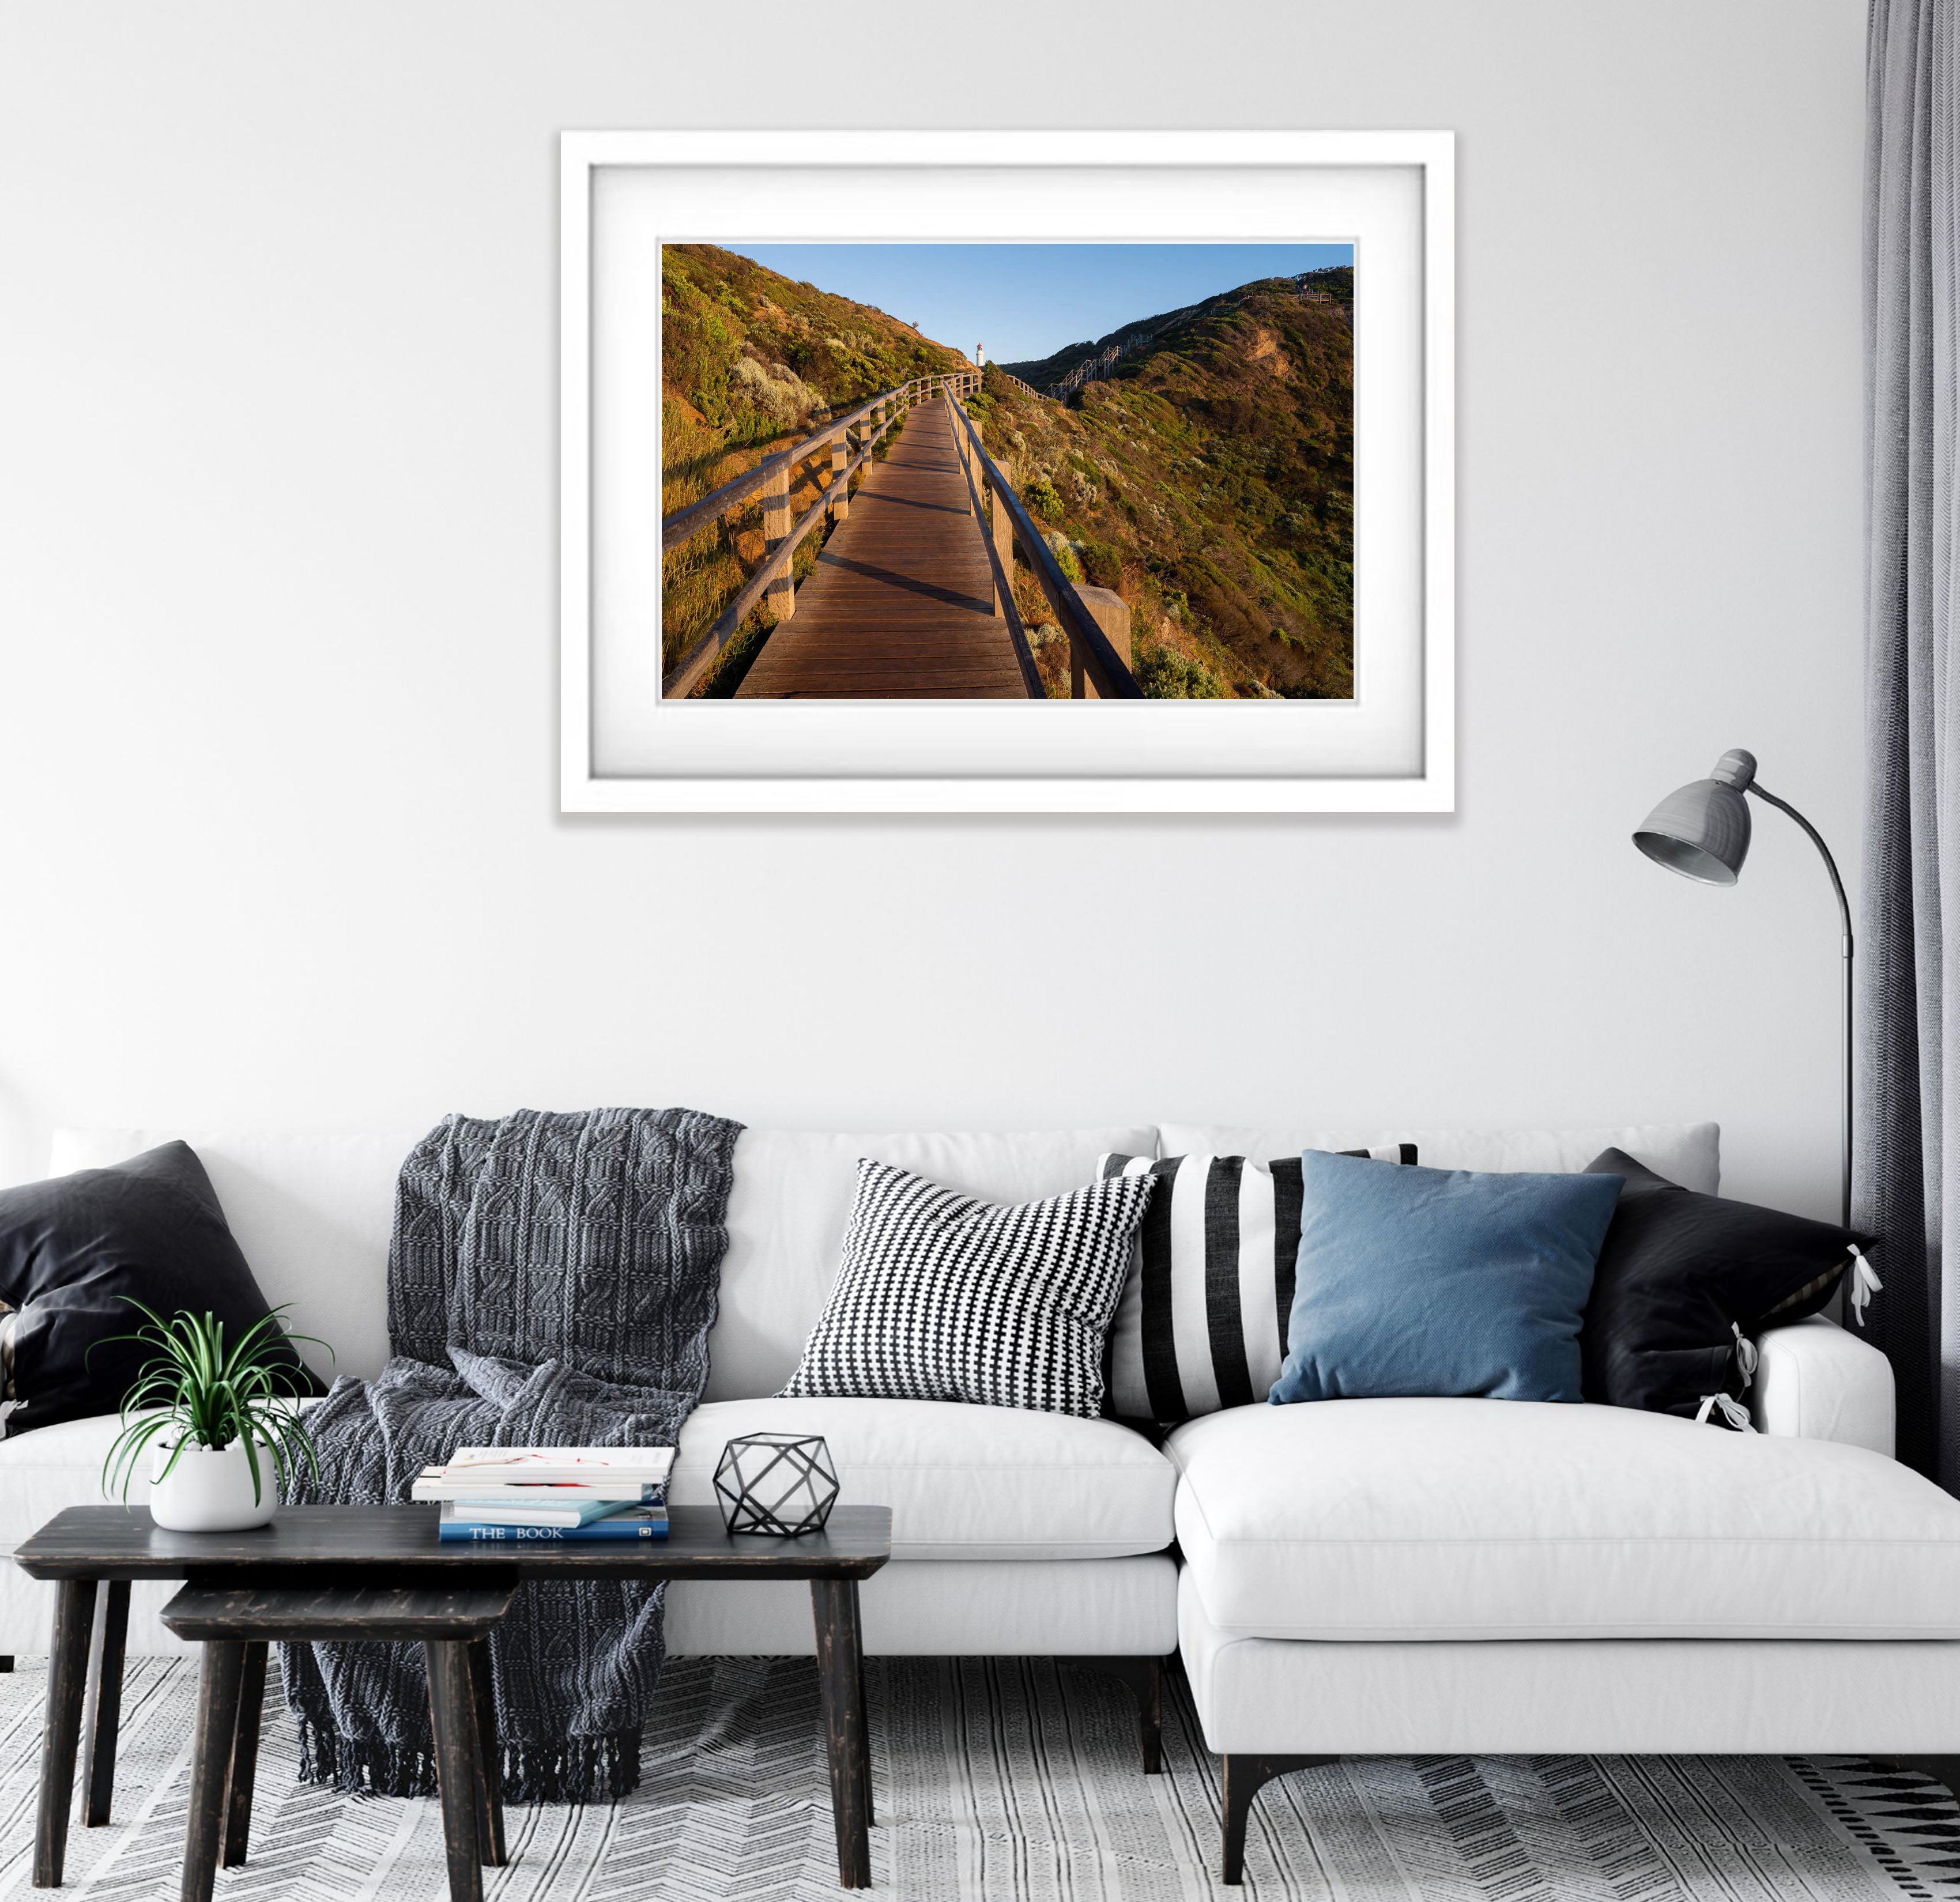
(337,1554)
(450,1618)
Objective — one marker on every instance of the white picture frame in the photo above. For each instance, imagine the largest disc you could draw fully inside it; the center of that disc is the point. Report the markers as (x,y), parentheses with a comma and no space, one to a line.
(1391,749)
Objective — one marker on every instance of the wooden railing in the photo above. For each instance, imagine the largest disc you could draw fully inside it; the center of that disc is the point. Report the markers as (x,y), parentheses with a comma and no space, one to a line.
(773,479)
(1093,369)
(1097,671)
(1014,382)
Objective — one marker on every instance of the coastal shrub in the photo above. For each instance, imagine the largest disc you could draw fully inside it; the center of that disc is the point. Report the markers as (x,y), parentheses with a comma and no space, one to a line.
(1102,564)
(1041,499)
(1064,552)
(1165,674)
(775,389)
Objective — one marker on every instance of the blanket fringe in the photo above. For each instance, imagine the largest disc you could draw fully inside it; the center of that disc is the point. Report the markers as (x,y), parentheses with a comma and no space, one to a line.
(362,1766)
(580,1770)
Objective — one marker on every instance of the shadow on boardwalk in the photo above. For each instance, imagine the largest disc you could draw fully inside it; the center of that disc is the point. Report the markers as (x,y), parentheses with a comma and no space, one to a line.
(900,605)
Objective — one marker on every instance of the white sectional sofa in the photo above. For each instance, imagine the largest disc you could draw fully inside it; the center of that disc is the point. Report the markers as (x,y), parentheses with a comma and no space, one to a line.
(1353,1577)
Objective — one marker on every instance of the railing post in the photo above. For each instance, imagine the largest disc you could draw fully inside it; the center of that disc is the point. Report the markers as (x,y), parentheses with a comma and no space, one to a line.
(840,483)
(1000,526)
(1113,616)
(781,594)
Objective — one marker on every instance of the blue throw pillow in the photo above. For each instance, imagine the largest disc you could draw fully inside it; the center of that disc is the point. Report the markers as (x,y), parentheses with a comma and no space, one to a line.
(1441,1281)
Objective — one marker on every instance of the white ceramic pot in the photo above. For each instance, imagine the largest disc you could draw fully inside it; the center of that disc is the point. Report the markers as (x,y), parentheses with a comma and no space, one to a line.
(212,1492)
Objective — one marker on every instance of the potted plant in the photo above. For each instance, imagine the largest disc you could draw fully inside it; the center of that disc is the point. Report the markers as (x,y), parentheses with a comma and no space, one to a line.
(220,1423)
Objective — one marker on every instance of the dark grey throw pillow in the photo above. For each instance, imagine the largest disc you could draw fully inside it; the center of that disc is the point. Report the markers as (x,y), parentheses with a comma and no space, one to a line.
(1684,1278)
(75,1248)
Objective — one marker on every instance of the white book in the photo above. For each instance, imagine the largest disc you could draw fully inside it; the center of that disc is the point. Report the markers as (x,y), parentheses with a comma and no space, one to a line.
(504,1464)
(549,1476)
(434,1484)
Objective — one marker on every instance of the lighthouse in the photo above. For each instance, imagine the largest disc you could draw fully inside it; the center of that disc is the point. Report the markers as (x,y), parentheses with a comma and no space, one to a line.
(980,354)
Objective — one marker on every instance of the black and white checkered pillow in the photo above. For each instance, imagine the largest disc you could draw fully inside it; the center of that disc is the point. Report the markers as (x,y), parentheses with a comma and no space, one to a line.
(1202,1322)
(943,1297)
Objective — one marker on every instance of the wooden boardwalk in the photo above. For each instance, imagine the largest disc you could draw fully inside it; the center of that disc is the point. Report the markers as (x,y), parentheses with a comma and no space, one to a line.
(900,605)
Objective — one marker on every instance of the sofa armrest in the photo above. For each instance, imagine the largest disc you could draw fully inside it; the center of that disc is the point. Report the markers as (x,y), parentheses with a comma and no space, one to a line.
(1815,1380)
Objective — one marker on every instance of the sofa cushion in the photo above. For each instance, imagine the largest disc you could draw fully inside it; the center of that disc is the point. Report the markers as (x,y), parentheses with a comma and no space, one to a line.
(312,1210)
(45,1471)
(1452,1519)
(976,1483)
(962,1482)
(1685,1152)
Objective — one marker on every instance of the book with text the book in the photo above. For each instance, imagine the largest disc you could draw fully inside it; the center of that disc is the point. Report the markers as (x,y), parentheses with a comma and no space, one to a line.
(629,1523)
(549,1510)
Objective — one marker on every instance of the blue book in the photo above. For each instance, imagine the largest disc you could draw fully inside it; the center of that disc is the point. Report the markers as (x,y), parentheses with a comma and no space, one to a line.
(497,1509)
(635,1522)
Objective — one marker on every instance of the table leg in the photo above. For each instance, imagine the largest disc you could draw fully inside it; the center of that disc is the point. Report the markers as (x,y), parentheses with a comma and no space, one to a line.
(489,1759)
(242,1766)
(105,1702)
(864,1739)
(453,1712)
(219,1688)
(68,1678)
(840,1667)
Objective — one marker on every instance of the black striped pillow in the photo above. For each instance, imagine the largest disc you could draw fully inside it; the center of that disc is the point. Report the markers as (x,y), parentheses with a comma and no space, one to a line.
(1202,1322)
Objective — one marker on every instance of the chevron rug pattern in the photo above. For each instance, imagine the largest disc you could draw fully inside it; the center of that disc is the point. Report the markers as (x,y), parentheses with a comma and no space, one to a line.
(1014,1779)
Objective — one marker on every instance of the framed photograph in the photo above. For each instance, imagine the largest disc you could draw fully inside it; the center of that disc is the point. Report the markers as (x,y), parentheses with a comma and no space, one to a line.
(1008,472)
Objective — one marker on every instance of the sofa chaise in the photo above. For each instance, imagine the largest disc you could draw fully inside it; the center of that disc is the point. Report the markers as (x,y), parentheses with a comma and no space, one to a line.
(1355,1577)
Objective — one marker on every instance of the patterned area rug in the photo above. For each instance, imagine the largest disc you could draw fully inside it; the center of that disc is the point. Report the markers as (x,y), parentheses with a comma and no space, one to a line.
(1000,1778)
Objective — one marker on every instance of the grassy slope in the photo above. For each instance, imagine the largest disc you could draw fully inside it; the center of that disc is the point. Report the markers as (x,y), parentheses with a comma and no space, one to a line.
(748,361)
(1211,481)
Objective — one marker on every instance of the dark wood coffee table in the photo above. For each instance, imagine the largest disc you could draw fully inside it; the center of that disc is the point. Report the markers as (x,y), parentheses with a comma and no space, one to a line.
(88,1546)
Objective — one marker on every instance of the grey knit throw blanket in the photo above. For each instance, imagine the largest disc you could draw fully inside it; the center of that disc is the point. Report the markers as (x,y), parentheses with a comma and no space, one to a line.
(552,1279)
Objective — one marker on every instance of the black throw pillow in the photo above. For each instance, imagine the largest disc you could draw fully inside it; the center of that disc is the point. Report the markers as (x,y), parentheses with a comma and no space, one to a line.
(1680,1275)
(71,1249)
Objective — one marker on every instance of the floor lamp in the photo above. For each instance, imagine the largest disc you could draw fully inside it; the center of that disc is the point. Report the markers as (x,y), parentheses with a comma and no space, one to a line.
(1702,831)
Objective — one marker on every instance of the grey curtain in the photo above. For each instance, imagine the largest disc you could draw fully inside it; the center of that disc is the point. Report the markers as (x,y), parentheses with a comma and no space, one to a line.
(1909,1067)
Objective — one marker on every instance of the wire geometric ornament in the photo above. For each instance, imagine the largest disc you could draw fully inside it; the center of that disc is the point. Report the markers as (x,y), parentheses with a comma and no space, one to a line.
(782,1484)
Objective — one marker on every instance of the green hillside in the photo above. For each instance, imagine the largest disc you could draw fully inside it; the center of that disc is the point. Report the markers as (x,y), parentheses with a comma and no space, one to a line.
(1210,481)
(748,360)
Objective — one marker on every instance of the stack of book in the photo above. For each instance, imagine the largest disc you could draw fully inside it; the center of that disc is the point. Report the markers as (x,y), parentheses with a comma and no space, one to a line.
(493,1493)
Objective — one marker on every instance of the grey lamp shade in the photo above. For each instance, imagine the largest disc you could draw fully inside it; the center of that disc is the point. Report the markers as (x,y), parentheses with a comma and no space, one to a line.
(1702,830)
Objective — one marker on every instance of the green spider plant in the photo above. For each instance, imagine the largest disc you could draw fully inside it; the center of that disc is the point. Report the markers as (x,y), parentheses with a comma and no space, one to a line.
(199,1392)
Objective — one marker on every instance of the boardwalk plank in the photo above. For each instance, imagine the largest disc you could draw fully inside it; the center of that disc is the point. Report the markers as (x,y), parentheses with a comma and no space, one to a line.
(900,606)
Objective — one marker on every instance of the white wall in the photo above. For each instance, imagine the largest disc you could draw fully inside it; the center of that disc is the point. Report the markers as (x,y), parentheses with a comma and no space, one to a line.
(278,839)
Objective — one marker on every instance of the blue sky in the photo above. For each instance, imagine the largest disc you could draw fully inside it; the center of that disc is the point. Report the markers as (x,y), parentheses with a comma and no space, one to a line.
(1023,301)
